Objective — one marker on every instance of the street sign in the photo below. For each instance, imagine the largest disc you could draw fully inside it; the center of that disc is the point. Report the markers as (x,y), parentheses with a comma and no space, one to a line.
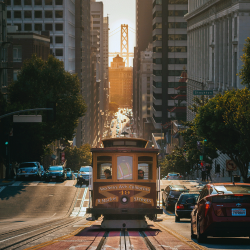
(203,92)
(27,118)
(230,165)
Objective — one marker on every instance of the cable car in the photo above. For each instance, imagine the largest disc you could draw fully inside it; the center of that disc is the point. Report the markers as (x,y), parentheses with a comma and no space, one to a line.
(125,183)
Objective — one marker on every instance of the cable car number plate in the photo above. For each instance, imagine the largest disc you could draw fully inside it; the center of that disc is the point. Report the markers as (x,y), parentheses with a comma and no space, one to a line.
(238,212)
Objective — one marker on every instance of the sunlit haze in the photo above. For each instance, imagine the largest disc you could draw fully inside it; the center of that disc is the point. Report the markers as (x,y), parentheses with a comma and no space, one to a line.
(120,12)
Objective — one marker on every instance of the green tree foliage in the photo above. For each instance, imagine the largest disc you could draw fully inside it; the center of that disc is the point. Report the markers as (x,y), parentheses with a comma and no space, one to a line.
(224,121)
(40,82)
(175,162)
(244,73)
(77,157)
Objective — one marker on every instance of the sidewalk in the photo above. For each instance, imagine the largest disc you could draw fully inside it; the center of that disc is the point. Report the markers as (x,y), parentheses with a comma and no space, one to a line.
(4,182)
(219,180)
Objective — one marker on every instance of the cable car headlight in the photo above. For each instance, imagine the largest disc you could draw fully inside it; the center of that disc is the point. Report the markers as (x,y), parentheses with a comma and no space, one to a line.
(124,199)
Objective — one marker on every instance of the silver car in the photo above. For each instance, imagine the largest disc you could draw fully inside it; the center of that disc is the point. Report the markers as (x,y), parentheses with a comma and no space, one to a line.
(29,171)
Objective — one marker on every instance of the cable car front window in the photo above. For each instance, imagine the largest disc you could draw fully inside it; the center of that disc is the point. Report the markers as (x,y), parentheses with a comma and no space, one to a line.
(104,167)
(124,167)
(145,164)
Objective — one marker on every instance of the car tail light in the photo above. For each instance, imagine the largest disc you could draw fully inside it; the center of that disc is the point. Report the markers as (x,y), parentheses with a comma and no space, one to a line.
(180,206)
(207,206)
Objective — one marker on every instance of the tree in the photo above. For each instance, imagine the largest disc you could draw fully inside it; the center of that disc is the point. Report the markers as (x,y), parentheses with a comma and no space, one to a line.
(38,83)
(77,157)
(244,73)
(224,121)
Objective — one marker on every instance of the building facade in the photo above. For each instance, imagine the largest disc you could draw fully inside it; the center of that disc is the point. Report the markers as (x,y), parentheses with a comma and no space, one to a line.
(169,58)
(120,78)
(57,17)
(216,35)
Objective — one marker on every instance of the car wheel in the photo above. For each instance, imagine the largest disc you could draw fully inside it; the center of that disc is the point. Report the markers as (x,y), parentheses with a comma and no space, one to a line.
(163,202)
(177,219)
(200,237)
(192,232)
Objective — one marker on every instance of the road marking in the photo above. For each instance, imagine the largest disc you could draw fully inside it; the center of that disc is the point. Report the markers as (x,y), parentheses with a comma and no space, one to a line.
(189,242)
(17,183)
(2,188)
(34,183)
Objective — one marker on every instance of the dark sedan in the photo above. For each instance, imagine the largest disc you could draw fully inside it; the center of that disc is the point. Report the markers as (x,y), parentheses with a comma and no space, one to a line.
(56,173)
(222,210)
(184,205)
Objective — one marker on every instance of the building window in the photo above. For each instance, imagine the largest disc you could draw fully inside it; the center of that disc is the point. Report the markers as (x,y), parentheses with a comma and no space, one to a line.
(179,25)
(59,52)
(59,39)
(17,2)
(8,14)
(38,14)
(38,27)
(8,2)
(15,73)
(38,2)
(178,1)
(59,26)
(177,60)
(48,14)
(59,14)
(148,78)
(157,26)
(27,2)
(157,49)
(48,2)
(51,39)
(17,53)
(96,16)
(177,37)
(19,26)
(27,14)
(177,12)
(59,2)
(17,14)
(27,27)
(48,26)
(96,22)
(174,72)
(177,48)
(51,52)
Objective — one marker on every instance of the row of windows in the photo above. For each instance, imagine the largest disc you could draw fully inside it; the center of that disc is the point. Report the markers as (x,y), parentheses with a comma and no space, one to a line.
(177,12)
(177,1)
(39,26)
(171,49)
(170,84)
(177,25)
(170,72)
(171,60)
(171,37)
(37,14)
(35,2)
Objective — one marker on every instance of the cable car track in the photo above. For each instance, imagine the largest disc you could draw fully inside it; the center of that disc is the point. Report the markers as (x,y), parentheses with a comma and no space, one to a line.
(16,238)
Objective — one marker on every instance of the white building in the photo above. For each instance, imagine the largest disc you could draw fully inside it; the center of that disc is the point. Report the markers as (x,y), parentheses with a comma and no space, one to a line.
(216,35)
(57,16)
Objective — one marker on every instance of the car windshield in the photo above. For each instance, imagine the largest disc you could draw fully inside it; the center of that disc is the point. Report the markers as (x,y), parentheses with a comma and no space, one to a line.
(176,193)
(28,165)
(55,168)
(184,197)
(231,189)
(68,169)
(85,169)
(178,187)
(173,174)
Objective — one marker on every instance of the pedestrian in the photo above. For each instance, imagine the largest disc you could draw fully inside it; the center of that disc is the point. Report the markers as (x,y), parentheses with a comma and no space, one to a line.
(203,172)
(208,170)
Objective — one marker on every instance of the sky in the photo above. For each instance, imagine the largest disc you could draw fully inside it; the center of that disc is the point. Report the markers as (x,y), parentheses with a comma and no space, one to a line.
(120,12)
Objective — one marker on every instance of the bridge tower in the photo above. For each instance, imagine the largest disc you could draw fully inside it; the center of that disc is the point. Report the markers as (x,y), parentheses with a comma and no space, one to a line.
(124,43)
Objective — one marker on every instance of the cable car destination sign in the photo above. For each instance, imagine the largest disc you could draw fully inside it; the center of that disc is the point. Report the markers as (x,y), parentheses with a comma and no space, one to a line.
(203,92)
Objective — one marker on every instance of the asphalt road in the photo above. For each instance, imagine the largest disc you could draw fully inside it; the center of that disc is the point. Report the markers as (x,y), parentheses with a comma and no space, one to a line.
(35,203)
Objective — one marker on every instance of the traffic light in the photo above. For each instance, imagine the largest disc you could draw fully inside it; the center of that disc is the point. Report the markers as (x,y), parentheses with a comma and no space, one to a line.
(51,114)
(6,143)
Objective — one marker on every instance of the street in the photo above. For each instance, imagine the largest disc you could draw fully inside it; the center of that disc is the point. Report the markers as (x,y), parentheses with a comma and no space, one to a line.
(28,207)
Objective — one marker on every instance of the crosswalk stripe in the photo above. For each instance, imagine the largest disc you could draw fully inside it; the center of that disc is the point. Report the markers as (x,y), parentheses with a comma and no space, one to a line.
(2,188)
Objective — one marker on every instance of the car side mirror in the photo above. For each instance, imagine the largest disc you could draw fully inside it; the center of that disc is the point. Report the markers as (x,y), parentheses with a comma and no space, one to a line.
(162,189)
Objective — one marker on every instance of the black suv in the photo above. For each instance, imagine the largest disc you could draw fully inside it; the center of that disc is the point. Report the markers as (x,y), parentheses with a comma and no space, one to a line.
(171,194)
(185,205)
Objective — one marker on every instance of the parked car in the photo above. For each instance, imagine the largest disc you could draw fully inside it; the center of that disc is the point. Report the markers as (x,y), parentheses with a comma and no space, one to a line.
(84,175)
(184,205)
(222,210)
(56,173)
(29,171)
(174,176)
(42,172)
(69,174)
(171,194)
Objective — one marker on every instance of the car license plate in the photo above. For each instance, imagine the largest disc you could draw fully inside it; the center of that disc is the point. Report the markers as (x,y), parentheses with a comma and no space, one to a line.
(192,207)
(238,212)
(53,177)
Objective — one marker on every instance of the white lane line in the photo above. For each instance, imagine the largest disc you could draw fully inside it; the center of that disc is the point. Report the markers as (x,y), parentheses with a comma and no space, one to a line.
(70,183)
(17,183)
(52,184)
(34,183)
(2,188)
